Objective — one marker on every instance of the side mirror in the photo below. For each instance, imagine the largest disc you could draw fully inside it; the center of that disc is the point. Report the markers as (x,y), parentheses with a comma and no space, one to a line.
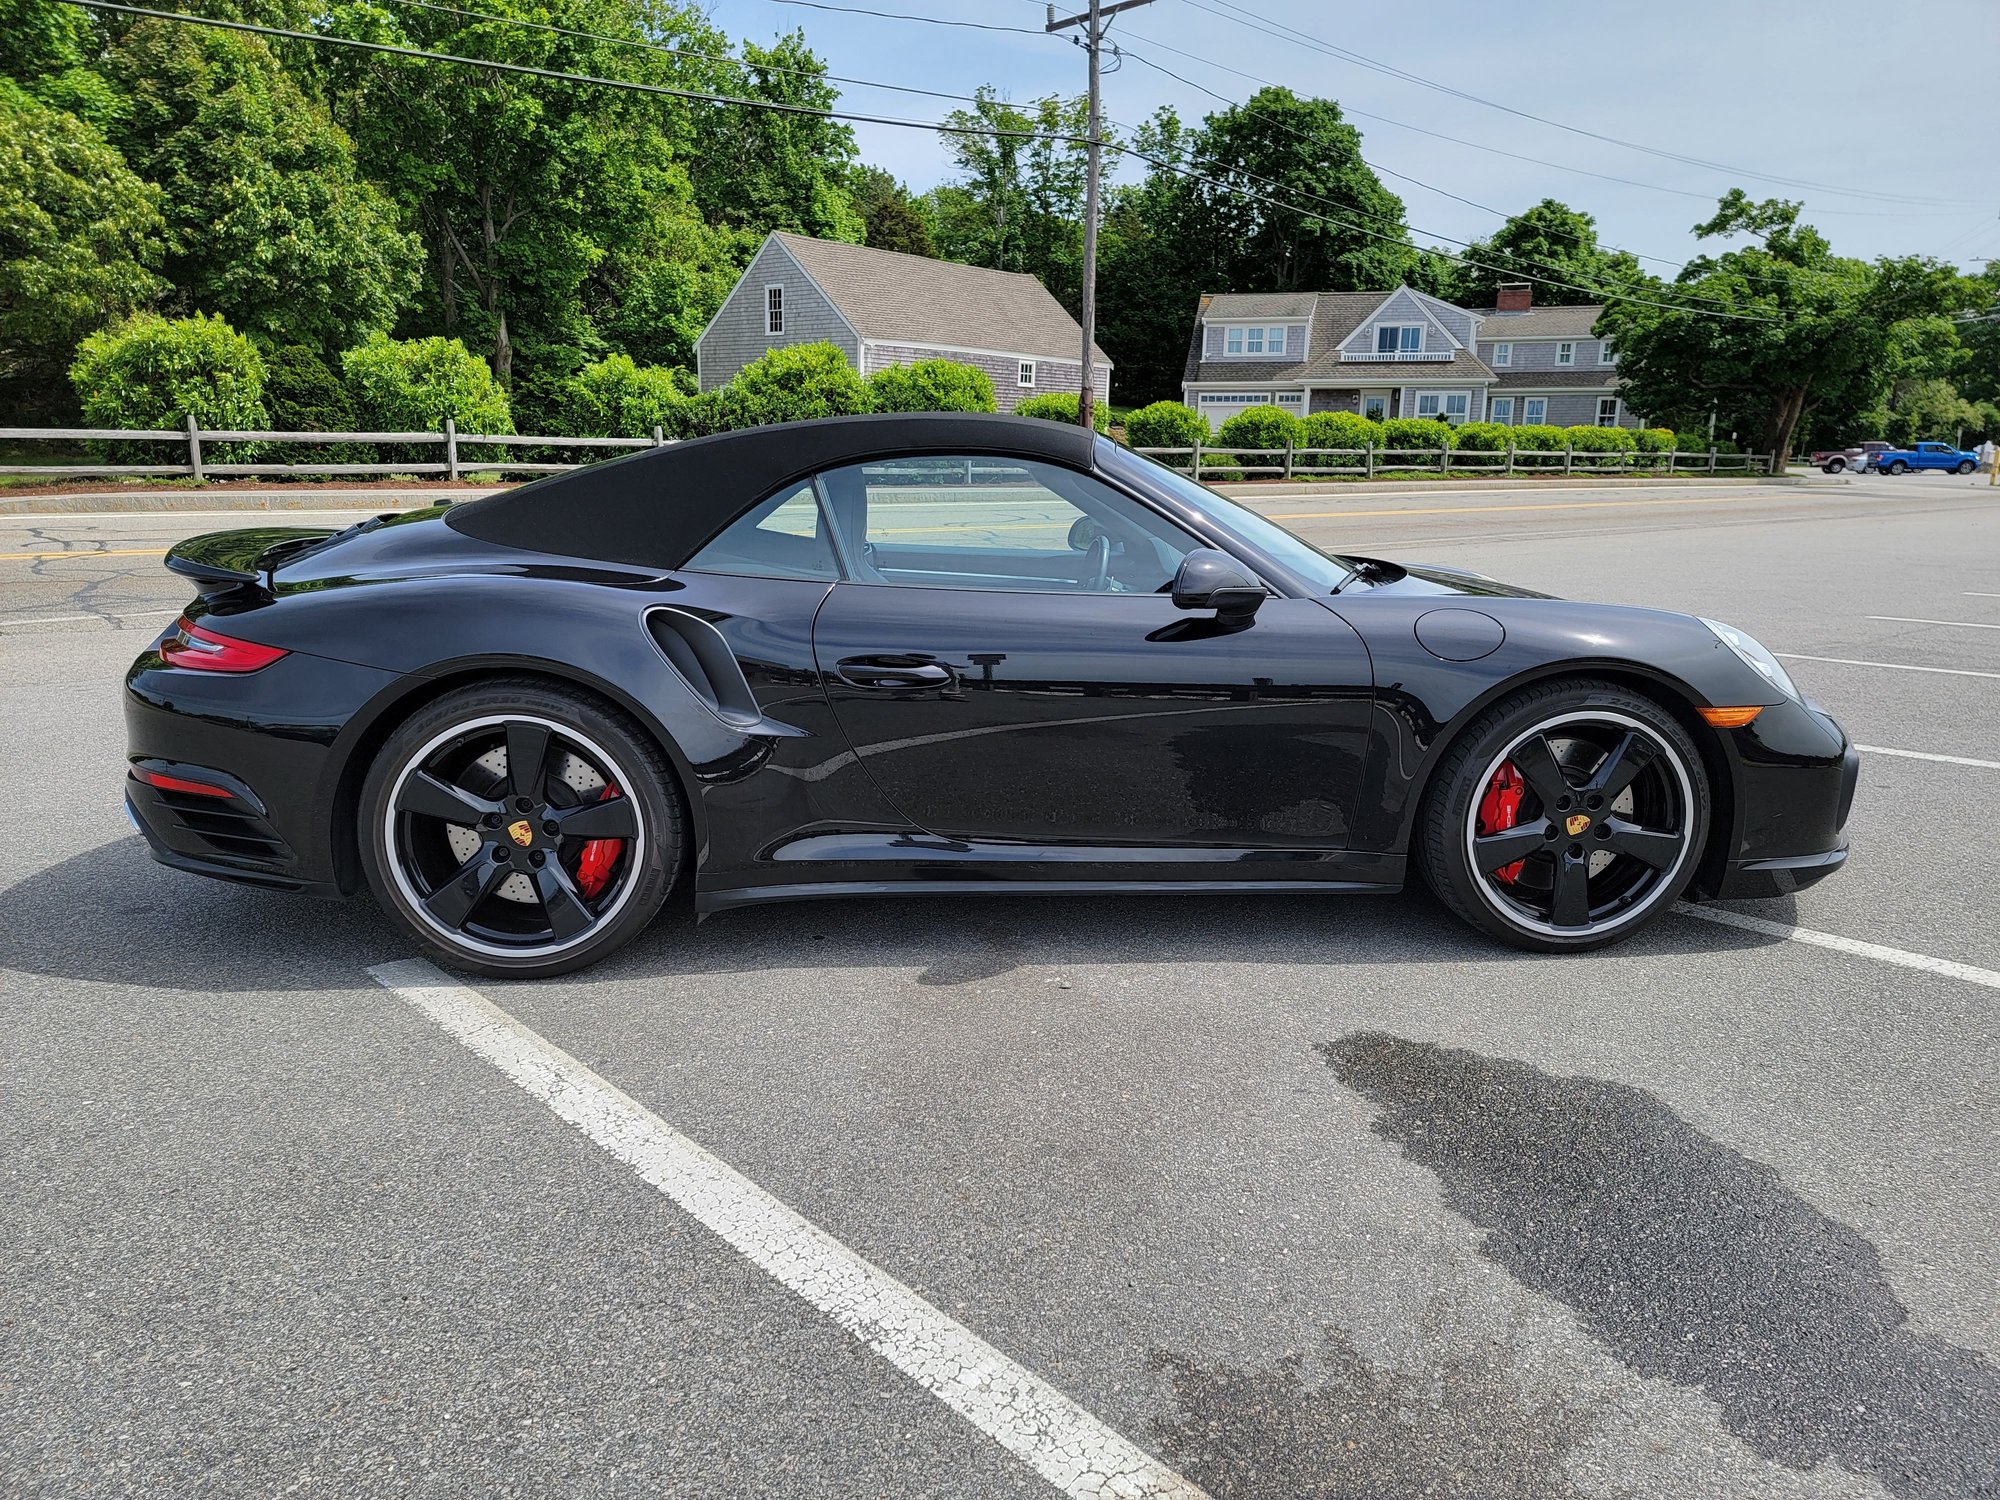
(1208,579)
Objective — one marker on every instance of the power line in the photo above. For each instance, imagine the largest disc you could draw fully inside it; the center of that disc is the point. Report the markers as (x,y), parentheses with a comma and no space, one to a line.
(714,57)
(782,107)
(897,15)
(1255,22)
(1319,140)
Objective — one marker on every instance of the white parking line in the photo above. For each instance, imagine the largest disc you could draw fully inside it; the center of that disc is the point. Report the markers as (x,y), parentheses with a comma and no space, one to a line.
(1879,952)
(142,614)
(1894,666)
(1025,1415)
(1913,620)
(1975,594)
(1950,760)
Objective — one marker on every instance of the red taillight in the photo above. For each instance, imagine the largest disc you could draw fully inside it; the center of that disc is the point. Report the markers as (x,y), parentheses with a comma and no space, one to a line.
(179,784)
(205,651)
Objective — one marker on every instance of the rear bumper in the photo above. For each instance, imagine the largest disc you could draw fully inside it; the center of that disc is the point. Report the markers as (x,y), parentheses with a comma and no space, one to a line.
(272,740)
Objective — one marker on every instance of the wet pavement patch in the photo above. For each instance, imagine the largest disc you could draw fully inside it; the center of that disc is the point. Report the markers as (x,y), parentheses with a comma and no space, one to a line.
(1340,1426)
(1691,1262)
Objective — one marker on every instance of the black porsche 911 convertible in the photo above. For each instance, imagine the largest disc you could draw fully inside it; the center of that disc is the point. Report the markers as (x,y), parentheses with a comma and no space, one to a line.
(940,654)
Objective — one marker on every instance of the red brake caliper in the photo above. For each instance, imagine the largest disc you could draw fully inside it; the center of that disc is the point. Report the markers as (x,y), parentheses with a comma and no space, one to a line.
(1500,808)
(593,867)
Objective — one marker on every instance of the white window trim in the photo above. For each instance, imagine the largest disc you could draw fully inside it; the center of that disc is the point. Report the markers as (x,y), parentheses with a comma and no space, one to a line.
(1566,352)
(779,288)
(1441,397)
(1024,374)
(1264,331)
(1376,342)
(1503,356)
(1528,420)
(1604,354)
(1494,414)
(1617,411)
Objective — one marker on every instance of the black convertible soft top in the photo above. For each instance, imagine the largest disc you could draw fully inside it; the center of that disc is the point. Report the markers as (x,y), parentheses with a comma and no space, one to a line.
(657,508)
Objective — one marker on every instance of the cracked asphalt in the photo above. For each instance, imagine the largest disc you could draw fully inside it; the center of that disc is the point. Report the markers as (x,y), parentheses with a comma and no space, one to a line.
(1305,1197)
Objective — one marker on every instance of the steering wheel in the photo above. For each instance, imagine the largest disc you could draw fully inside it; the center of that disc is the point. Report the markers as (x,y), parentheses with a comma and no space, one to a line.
(1097,564)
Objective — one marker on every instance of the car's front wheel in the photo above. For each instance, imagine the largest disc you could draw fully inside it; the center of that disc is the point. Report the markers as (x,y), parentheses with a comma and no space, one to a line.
(1965,466)
(1567,817)
(518,829)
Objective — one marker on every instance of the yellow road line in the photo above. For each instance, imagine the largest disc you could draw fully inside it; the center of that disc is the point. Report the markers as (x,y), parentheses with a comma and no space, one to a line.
(106,552)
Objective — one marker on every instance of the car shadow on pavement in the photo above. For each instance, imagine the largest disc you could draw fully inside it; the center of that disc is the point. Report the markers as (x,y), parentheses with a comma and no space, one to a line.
(1691,1262)
(112,915)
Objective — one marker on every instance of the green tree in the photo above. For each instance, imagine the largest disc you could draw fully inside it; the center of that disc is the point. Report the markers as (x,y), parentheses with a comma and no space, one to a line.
(1148,288)
(1550,240)
(268,222)
(156,372)
(1304,155)
(652,295)
(762,169)
(79,236)
(891,219)
(521,187)
(48,50)
(1019,203)
(1815,334)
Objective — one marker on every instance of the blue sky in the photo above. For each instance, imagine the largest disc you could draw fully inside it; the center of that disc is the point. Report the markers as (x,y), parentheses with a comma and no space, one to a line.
(1852,94)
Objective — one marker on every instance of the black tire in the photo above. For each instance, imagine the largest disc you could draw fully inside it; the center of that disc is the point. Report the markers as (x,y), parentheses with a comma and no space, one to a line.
(1630,858)
(1965,466)
(507,894)
(1899,467)
(1834,466)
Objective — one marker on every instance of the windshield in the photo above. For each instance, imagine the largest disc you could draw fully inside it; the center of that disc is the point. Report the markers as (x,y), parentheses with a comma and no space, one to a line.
(1324,571)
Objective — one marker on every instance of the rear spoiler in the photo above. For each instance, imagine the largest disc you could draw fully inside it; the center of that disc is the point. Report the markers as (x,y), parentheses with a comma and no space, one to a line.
(240,562)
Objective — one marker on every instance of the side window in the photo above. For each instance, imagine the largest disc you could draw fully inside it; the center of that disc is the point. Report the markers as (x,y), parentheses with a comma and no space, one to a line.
(782,538)
(999,523)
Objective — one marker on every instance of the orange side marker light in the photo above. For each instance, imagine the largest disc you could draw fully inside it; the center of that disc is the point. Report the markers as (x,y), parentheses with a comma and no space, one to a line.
(1730,718)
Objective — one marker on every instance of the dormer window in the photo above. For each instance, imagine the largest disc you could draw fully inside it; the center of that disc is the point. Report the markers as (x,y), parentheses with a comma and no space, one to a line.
(1565,353)
(1253,339)
(1399,338)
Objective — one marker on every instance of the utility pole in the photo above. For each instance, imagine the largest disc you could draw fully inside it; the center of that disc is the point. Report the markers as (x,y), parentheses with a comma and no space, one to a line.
(1092,21)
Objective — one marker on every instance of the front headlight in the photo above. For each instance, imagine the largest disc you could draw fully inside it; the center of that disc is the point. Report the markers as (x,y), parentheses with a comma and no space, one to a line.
(1754,656)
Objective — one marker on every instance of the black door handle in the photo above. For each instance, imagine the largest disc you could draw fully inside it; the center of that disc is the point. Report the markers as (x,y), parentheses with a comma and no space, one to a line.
(891,673)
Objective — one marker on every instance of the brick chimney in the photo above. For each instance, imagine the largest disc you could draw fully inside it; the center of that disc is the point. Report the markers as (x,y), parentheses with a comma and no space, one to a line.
(1515,296)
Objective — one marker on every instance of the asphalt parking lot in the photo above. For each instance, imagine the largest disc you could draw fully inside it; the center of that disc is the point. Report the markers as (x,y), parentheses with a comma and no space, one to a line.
(1267,1198)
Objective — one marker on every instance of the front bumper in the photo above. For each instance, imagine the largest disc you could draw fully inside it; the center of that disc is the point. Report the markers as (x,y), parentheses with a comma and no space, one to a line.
(1796,779)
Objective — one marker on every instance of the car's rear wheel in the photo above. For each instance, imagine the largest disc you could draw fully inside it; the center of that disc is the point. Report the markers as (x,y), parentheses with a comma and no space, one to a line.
(1899,467)
(1569,816)
(1835,465)
(519,829)
(1965,466)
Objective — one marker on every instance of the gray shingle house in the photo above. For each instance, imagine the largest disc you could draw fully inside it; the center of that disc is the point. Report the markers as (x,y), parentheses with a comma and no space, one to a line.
(1402,353)
(885,308)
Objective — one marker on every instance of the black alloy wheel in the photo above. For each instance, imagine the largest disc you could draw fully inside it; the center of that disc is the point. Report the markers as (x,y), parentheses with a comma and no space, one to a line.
(520,829)
(1567,817)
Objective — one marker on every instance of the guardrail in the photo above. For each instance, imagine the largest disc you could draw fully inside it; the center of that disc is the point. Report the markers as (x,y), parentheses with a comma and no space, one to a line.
(452,463)
(1290,463)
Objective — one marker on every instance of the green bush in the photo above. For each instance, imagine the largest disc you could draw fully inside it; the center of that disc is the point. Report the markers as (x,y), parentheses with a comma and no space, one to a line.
(1537,445)
(1416,432)
(1605,446)
(412,385)
(1338,429)
(1060,406)
(1165,424)
(1655,439)
(1483,437)
(304,395)
(932,385)
(793,383)
(617,397)
(1267,427)
(156,372)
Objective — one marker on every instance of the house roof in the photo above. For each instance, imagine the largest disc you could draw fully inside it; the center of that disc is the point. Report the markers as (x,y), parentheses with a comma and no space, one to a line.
(1603,377)
(1536,323)
(911,299)
(1334,315)
(1233,305)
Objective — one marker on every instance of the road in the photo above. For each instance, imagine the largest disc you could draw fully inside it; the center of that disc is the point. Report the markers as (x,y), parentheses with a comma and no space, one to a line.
(1302,1197)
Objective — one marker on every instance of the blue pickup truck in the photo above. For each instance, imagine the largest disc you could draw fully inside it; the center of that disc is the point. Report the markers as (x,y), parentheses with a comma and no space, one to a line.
(1923,456)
